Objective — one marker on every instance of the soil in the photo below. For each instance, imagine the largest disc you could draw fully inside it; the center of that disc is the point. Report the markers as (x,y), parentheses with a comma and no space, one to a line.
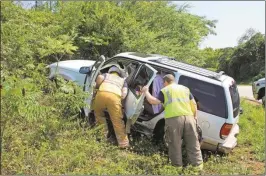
(248,159)
(254,102)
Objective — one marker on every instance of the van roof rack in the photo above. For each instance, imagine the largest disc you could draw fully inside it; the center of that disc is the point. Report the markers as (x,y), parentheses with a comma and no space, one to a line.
(187,67)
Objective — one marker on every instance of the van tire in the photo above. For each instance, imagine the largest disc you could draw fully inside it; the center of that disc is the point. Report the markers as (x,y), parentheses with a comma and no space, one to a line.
(81,118)
(85,121)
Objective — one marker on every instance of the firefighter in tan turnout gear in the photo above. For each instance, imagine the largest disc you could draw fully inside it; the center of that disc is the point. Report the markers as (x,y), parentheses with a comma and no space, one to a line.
(112,89)
(180,121)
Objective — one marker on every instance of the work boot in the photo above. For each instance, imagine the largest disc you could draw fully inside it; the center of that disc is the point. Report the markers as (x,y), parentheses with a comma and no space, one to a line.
(125,147)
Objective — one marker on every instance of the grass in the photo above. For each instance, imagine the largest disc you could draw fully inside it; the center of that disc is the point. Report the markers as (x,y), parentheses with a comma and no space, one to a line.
(252,124)
(72,150)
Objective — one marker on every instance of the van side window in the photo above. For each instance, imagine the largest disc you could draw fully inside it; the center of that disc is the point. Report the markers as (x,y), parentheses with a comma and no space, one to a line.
(235,99)
(210,98)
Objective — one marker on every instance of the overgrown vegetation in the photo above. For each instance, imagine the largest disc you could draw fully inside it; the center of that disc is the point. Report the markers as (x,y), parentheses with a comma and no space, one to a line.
(58,146)
(253,118)
(248,55)
(40,132)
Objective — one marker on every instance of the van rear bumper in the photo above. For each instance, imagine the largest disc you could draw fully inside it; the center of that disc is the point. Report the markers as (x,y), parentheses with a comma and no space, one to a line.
(230,142)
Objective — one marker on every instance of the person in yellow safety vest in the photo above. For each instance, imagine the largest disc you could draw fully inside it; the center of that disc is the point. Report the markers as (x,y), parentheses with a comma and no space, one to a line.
(112,89)
(180,121)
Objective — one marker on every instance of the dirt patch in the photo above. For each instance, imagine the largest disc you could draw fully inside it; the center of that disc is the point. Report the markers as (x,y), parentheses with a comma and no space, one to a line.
(257,167)
(254,102)
(248,160)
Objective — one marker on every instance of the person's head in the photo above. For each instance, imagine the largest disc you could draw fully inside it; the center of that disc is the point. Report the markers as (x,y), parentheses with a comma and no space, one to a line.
(168,79)
(115,69)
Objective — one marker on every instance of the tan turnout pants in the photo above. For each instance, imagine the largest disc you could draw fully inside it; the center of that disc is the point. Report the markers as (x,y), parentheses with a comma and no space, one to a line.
(184,127)
(111,102)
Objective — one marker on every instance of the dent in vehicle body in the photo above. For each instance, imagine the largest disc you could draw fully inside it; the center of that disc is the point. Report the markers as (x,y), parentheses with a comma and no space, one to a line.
(231,140)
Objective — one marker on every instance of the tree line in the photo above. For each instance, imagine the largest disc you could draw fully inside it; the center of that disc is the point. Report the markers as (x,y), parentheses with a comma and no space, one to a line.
(245,62)
(49,32)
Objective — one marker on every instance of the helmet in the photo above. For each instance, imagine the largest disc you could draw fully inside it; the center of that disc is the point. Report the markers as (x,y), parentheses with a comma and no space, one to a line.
(115,69)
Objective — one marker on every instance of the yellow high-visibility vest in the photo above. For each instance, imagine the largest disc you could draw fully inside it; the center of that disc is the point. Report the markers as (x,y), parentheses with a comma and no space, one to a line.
(112,83)
(176,101)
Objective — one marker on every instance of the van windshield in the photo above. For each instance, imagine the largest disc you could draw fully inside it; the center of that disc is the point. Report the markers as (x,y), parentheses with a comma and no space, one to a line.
(210,98)
(235,99)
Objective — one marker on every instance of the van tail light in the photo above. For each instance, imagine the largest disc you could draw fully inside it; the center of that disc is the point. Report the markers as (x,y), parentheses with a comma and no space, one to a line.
(225,130)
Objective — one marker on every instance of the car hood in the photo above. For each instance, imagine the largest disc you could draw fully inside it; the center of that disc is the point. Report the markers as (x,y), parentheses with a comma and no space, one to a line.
(73,65)
(262,79)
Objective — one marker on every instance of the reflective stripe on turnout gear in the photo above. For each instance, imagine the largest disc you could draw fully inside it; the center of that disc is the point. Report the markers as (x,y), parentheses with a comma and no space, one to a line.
(112,83)
(171,100)
(176,101)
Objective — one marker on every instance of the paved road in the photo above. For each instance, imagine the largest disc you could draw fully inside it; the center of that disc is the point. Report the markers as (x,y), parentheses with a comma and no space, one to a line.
(245,91)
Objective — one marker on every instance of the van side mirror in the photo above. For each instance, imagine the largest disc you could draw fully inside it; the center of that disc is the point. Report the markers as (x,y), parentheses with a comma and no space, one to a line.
(85,70)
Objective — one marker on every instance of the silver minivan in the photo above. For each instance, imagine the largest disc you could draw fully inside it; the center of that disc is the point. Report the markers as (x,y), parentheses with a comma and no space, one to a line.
(216,95)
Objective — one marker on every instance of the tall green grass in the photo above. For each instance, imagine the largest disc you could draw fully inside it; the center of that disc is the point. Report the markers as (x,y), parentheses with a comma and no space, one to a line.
(58,146)
(252,126)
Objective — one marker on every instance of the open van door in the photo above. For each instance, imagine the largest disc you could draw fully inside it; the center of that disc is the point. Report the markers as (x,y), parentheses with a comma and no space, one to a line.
(89,82)
(134,102)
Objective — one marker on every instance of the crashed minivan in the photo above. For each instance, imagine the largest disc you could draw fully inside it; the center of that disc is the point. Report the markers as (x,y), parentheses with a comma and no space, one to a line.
(216,94)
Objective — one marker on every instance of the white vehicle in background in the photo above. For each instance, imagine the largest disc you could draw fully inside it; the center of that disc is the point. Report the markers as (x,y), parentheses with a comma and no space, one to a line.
(258,88)
(69,70)
(216,93)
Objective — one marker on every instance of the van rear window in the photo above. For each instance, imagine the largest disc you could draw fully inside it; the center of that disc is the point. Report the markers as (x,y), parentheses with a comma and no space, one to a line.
(209,97)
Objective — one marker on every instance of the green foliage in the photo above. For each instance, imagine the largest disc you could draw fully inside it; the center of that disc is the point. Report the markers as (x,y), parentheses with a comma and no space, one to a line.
(176,36)
(33,111)
(110,27)
(235,61)
(58,146)
(248,55)
(211,58)
(57,47)
(253,117)
(225,58)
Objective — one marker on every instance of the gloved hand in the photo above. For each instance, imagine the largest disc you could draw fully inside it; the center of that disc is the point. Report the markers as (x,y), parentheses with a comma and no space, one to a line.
(145,89)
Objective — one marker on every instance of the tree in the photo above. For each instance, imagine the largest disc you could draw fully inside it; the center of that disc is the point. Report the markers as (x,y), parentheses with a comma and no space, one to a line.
(57,47)
(248,55)
(169,31)
(109,28)
(224,59)
(247,36)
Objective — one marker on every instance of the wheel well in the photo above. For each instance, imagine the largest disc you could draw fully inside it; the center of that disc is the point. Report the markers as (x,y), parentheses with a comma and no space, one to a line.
(158,132)
(159,124)
(261,93)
